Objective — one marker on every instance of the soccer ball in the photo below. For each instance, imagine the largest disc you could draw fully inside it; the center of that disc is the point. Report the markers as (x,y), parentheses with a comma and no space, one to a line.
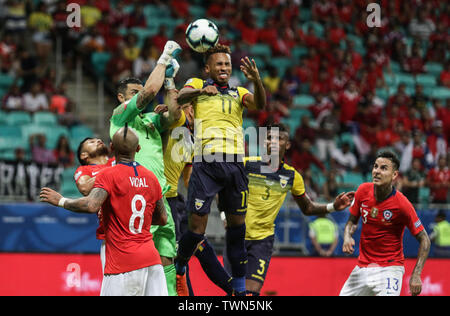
(201,35)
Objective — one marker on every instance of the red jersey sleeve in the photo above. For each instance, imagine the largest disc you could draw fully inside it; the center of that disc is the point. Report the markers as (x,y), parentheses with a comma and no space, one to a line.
(412,220)
(102,181)
(81,171)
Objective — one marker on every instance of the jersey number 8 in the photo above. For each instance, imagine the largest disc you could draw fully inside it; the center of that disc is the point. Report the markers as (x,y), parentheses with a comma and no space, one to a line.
(137,214)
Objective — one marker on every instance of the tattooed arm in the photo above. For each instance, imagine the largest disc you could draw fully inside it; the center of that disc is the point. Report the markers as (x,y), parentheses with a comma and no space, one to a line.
(87,204)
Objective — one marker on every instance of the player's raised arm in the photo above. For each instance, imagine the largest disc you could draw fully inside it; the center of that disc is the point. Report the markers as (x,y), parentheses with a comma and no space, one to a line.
(350,228)
(256,101)
(88,204)
(156,78)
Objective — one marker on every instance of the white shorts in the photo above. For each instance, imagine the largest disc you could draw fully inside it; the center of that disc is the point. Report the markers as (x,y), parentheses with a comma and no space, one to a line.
(374,281)
(149,281)
(103,255)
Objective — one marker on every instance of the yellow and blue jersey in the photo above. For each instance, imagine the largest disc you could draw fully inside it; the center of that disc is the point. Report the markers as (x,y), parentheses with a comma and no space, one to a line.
(177,155)
(267,192)
(218,119)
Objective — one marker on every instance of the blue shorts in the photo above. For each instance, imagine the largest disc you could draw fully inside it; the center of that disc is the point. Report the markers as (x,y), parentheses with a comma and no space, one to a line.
(227,179)
(259,253)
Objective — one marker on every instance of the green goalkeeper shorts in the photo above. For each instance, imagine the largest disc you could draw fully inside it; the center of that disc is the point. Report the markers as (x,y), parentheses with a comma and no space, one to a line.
(164,236)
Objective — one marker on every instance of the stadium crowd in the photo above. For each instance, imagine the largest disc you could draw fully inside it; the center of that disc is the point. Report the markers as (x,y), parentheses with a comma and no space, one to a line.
(345,90)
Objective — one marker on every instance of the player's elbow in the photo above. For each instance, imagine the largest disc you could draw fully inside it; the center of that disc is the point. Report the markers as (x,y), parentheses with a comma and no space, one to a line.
(160,220)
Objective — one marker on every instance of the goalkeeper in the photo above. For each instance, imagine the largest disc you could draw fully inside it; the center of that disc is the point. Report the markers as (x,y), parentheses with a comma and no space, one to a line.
(134,98)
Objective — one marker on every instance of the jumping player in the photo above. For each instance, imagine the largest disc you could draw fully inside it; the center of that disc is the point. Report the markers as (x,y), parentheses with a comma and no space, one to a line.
(385,212)
(131,199)
(218,152)
(93,156)
(134,98)
(267,192)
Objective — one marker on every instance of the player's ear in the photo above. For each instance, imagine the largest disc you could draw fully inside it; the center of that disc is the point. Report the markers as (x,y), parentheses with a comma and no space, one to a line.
(84,155)
(138,148)
(395,175)
(288,145)
(121,97)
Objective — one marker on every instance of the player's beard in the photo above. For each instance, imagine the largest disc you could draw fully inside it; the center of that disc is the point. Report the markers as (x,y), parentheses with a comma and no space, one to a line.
(101,151)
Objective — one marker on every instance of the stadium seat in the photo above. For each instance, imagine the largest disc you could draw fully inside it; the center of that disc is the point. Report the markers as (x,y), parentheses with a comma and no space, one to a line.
(299,52)
(405,78)
(77,134)
(441,93)
(3,117)
(292,123)
(69,189)
(390,79)
(45,118)
(426,80)
(197,11)
(346,138)
(261,49)
(19,118)
(382,93)
(318,28)
(434,68)
(6,81)
(99,61)
(304,100)
(353,178)
(281,63)
(424,195)
(299,113)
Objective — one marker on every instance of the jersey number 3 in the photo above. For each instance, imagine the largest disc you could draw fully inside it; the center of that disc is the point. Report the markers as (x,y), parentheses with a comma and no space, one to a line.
(137,214)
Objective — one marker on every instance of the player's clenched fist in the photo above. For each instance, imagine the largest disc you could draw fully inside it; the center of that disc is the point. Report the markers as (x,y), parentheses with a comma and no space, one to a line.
(50,196)
(348,245)
(209,90)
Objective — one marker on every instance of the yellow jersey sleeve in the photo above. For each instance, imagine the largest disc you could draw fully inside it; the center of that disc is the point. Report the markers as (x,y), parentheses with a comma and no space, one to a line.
(180,121)
(298,187)
(242,93)
(195,83)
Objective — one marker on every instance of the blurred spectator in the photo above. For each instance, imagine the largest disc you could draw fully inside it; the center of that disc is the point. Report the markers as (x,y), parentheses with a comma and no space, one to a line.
(328,128)
(436,142)
(118,67)
(144,64)
(27,68)
(15,18)
(63,154)
(413,180)
(35,100)
(41,23)
(441,236)
(302,157)
(90,14)
(343,159)
(137,18)
(131,51)
(385,136)
(305,130)
(324,236)
(13,101)
(438,180)
(331,186)
(419,100)
(421,26)
(272,80)
(8,49)
(415,63)
(189,69)
(92,41)
(160,39)
(39,153)
(348,101)
(445,75)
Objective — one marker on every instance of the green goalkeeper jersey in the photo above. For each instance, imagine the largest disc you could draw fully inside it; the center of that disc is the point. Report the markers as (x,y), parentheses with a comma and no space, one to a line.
(148,127)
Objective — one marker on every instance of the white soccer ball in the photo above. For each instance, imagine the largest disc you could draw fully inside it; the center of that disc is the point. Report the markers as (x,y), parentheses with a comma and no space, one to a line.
(201,35)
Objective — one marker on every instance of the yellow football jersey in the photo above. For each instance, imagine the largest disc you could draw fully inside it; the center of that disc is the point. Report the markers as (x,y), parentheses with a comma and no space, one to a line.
(218,119)
(178,153)
(267,192)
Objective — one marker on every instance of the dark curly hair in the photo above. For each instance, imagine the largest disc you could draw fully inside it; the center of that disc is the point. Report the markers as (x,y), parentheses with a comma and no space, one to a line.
(219,48)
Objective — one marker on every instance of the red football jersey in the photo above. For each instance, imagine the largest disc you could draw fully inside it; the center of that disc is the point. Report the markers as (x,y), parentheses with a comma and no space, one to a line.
(92,171)
(127,216)
(383,225)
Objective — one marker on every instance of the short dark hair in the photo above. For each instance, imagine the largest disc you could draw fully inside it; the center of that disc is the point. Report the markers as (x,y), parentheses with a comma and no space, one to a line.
(391,156)
(123,84)
(281,127)
(219,48)
(80,147)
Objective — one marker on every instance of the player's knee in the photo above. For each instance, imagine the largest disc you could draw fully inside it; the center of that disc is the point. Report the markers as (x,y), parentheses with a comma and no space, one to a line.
(197,223)
(234,220)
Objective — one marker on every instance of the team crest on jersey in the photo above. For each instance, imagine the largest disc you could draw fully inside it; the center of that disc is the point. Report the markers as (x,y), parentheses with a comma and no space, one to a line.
(387,214)
(374,212)
(198,204)
(233,94)
(283,181)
